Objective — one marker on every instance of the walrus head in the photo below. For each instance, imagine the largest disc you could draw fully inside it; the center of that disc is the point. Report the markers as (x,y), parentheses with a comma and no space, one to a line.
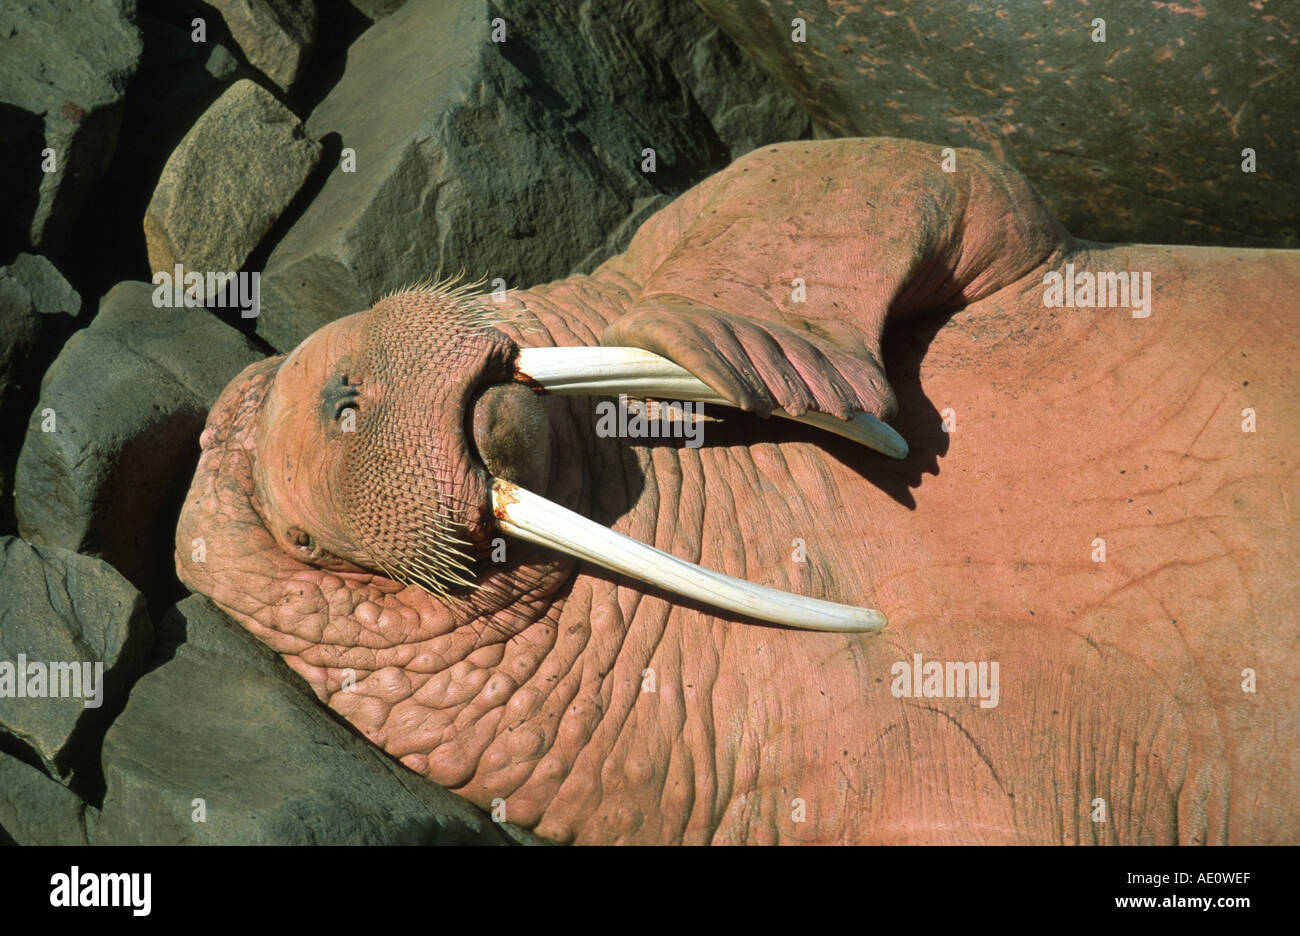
(362,457)
(402,439)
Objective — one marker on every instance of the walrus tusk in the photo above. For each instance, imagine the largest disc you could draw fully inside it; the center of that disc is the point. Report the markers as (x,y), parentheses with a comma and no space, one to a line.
(594,371)
(530,517)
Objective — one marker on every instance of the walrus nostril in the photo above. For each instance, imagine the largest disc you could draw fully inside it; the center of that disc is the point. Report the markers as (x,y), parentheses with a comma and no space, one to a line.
(339,394)
(509,430)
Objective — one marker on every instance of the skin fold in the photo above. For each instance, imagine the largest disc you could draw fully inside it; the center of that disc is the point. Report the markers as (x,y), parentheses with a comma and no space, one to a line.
(596,709)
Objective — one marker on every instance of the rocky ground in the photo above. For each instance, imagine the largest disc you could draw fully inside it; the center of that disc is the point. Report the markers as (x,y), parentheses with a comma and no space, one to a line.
(342,150)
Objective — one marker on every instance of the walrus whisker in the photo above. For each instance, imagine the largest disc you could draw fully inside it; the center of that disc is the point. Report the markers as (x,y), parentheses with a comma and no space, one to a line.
(440,562)
(473,307)
(527,516)
(597,371)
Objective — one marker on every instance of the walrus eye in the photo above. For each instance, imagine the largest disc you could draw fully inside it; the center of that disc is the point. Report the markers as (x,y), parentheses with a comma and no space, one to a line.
(302,539)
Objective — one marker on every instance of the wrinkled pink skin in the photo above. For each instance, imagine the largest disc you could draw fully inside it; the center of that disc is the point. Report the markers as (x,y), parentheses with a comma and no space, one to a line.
(1119,680)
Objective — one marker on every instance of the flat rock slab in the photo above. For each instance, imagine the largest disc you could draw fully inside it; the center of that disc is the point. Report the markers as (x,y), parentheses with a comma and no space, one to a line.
(512,159)
(276,36)
(58,612)
(1137,138)
(35,810)
(223,744)
(64,69)
(227,182)
(113,439)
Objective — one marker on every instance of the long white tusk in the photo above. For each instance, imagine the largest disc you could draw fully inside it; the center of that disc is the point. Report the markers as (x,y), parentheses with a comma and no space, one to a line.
(595,371)
(530,517)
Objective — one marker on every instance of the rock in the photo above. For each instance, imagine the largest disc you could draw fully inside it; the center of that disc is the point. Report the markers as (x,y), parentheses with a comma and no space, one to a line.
(37,308)
(77,614)
(178,79)
(113,439)
(514,159)
(227,182)
(225,730)
(31,288)
(64,68)
(20,325)
(1138,138)
(377,9)
(621,236)
(35,810)
(747,107)
(276,36)
(46,291)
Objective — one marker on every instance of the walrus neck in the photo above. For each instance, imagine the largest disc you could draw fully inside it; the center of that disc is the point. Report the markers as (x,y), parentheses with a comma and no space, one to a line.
(569,313)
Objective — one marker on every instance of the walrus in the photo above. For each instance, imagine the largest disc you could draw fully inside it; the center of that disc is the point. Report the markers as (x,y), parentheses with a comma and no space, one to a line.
(1036,586)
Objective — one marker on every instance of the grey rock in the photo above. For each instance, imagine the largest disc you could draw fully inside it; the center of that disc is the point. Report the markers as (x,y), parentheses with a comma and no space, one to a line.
(37,312)
(126,400)
(58,607)
(20,325)
(178,77)
(20,328)
(224,721)
(1138,138)
(512,160)
(276,36)
(46,291)
(35,810)
(64,68)
(377,9)
(177,81)
(619,238)
(227,182)
(747,107)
